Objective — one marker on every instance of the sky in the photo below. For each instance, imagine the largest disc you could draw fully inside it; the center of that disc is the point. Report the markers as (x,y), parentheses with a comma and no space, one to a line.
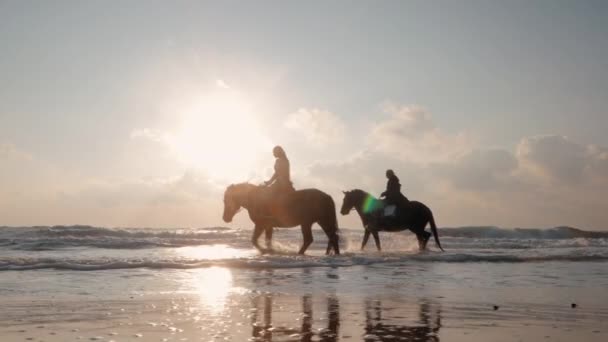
(140,113)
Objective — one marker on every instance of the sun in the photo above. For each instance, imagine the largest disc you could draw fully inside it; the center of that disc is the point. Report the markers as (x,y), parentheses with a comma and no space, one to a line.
(219,134)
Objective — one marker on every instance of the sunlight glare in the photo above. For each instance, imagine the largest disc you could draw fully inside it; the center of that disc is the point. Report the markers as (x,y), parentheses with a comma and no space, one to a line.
(213,285)
(214,252)
(220,135)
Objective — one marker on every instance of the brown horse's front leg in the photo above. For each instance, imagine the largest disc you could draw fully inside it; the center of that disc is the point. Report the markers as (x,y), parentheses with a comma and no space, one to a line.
(268,234)
(257,231)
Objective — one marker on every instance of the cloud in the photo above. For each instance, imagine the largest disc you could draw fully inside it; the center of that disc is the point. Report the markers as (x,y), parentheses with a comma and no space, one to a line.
(541,181)
(148,133)
(10,151)
(33,192)
(481,170)
(410,134)
(554,157)
(189,187)
(185,201)
(558,159)
(222,84)
(319,127)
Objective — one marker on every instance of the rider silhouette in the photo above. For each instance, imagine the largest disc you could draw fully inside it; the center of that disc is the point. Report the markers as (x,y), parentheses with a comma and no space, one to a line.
(278,185)
(393,193)
(280,181)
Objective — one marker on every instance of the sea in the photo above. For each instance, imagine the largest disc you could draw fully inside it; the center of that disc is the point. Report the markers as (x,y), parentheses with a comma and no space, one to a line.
(62,283)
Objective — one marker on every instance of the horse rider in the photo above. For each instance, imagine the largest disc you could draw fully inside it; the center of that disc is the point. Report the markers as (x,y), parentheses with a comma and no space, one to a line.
(279,184)
(280,181)
(393,193)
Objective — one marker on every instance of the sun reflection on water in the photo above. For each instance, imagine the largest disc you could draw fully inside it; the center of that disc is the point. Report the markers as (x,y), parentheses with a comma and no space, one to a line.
(213,286)
(214,252)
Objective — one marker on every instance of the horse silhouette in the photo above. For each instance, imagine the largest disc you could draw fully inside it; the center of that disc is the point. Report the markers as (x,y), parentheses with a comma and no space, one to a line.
(303,207)
(414,217)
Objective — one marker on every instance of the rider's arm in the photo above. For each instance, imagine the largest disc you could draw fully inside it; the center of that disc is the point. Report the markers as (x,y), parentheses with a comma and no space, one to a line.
(274,177)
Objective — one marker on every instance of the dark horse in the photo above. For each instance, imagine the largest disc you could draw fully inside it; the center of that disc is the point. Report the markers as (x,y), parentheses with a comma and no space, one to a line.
(369,208)
(302,207)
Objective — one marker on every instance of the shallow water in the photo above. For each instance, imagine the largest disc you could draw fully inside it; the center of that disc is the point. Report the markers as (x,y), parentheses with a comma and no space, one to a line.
(210,285)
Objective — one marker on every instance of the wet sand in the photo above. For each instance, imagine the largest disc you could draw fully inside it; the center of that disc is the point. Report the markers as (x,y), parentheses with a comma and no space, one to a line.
(341,304)
(280,317)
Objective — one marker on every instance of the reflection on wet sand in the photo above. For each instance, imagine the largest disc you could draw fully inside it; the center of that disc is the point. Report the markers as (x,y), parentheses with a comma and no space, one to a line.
(381,323)
(380,328)
(264,330)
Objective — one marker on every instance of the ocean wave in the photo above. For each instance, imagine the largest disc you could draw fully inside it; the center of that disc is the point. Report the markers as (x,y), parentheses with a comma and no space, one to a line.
(57,237)
(464,238)
(289,261)
(522,233)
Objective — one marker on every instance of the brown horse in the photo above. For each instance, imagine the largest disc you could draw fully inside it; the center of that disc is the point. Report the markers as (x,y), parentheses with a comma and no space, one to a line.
(416,217)
(302,207)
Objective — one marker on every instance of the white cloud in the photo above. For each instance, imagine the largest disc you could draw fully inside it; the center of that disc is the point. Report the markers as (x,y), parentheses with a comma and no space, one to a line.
(148,133)
(481,170)
(222,84)
(33,192)
(553,157)
(410,134)
(10,151)
(543,181)
(319,127)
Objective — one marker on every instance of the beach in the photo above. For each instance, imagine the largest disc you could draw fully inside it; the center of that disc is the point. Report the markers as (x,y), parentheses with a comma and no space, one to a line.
(209,285)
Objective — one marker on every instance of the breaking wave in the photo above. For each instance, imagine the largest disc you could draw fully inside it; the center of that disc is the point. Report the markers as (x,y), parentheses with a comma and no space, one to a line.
(85,248)
(288,261)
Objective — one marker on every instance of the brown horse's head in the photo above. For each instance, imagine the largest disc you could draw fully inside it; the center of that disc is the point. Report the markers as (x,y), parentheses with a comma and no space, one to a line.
(232,202)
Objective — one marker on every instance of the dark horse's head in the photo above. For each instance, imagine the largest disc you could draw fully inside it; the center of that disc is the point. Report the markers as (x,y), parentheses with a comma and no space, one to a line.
(352,199)
(234,197)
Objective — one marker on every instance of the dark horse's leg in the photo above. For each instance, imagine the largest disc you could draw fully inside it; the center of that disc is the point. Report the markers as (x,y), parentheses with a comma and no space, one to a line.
(423,239)
(268,234)
(307,234)
(377,240)
(365,238)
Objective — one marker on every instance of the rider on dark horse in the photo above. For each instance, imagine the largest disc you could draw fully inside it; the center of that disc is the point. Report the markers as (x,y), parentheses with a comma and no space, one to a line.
(393,195)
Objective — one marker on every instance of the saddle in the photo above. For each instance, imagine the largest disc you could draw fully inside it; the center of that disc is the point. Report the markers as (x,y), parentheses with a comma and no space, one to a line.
(388,215)
(271,201)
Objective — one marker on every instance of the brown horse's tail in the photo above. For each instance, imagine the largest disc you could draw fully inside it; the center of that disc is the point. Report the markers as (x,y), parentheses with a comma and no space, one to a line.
(336,244)
(434,230)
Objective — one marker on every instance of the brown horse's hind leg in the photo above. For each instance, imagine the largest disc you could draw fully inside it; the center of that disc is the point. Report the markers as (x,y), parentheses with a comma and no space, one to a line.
(332,237)
(333,243)
(307,234)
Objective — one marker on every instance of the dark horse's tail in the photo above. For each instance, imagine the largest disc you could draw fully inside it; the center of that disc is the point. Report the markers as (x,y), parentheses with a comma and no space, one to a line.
(434,230)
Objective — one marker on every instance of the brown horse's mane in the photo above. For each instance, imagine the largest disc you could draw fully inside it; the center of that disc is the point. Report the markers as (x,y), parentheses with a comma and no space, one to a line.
(234,185)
